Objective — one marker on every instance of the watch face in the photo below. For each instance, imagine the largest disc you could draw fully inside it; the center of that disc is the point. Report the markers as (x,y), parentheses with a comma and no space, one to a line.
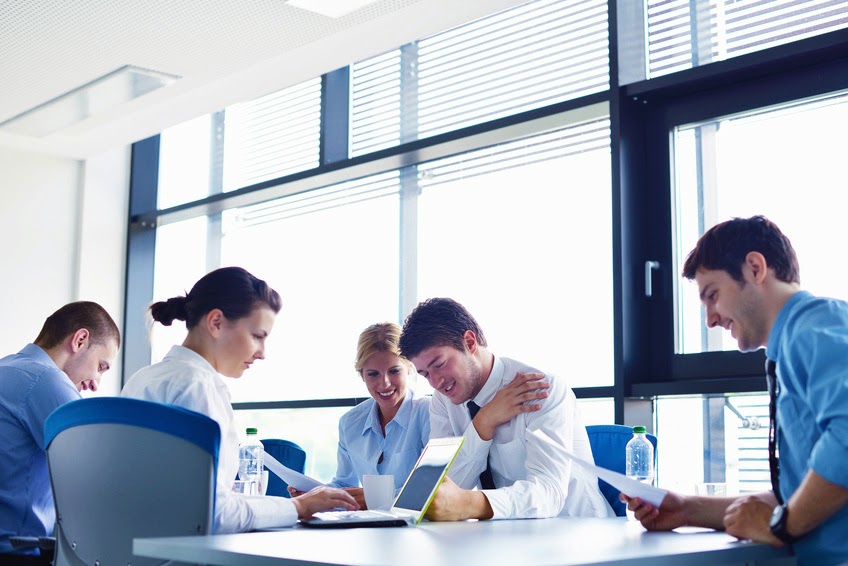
(776,516)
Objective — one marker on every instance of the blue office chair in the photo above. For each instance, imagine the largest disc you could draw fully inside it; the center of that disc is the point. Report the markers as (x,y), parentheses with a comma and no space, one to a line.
(125,468)
(608,449)
(290,455)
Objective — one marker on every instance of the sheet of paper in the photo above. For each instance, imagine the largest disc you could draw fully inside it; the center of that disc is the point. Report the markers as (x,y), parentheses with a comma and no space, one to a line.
(291,477)
(627,486)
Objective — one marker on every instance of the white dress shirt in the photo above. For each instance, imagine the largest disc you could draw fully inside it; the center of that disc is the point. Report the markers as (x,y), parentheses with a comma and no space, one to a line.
(533,477)
(186,379)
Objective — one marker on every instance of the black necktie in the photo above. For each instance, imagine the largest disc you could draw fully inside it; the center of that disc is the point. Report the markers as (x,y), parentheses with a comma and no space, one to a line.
(774,465)
(486,477)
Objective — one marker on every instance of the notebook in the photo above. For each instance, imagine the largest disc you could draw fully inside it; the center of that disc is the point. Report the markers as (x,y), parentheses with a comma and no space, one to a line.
(414,497)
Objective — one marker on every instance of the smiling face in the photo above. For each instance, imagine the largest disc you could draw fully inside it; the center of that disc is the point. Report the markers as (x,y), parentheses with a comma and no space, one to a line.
(385,375)
(453,373)
(241,342)
(735,306)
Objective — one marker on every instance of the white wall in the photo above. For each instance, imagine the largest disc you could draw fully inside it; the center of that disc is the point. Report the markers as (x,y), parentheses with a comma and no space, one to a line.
(62,238)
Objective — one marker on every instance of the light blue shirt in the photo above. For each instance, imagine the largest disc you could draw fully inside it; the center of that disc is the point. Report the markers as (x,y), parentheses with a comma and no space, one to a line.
(31,387)
(809,343)
(361,441)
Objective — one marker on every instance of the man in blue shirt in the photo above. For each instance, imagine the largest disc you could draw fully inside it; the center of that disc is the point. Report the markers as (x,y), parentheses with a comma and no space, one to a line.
(748,278)
(76,345)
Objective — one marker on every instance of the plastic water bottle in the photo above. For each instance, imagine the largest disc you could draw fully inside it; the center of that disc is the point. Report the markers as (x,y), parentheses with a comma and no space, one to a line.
(251,459)
(639,459)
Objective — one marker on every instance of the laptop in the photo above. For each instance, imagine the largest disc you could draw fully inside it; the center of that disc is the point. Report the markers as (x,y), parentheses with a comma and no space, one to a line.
(414,497)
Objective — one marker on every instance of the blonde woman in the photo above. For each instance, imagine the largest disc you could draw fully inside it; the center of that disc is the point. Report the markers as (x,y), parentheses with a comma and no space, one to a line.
(385,434)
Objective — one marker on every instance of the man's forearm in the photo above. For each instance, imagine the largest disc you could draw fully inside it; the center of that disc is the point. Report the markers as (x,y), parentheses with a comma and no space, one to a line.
(815,500)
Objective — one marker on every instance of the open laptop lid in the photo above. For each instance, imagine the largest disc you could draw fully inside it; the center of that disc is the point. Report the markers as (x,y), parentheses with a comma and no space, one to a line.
(426,476)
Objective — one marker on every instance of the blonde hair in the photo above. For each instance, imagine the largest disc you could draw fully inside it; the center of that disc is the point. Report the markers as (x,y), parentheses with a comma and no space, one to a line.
(380,337)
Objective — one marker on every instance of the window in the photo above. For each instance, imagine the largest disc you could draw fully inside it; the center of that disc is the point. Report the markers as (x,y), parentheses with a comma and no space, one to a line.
(713,439)
(684,34)
(759,163)
(503,231)
(533,55)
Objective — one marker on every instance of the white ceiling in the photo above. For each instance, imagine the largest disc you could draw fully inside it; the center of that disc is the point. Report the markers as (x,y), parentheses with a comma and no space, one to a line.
(225,51)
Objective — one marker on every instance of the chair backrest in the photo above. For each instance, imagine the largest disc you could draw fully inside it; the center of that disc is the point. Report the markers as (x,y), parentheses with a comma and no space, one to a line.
(608,449)
(124,468)
(288,454)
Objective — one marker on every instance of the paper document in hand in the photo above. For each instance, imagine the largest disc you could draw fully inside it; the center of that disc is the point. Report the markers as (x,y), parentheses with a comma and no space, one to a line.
(622,483)
(295,479)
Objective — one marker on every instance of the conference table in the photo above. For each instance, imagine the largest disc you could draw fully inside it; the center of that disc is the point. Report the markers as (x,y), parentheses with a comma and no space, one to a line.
(532,542)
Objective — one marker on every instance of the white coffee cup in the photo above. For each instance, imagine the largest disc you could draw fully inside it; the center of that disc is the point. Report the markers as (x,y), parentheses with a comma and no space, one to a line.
(379,492)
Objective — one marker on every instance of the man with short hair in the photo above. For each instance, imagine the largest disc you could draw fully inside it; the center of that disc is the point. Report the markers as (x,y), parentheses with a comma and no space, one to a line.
(748,279)
(517,423)
(76,346)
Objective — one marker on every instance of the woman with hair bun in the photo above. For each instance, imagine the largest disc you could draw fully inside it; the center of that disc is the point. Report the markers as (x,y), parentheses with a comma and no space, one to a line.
(228,314)
(385,434)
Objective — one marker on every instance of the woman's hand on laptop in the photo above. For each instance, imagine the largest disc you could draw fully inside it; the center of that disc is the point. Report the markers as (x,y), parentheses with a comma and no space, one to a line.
(323,498)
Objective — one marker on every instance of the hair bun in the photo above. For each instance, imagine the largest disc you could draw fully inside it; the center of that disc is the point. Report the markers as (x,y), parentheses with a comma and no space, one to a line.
(165,312)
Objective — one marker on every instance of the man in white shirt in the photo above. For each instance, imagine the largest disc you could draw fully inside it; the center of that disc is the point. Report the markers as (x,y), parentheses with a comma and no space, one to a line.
(525,421)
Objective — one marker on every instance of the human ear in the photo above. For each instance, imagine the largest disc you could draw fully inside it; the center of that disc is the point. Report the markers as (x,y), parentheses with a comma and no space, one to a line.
(79,339)
(758,266)
(470,341)
(215,322)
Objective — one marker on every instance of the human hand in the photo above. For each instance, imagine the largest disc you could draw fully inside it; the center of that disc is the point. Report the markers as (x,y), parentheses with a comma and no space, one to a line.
(670,515)
(510,401)
(294,492)
(323,498)
(358,494)
(748,518)
(452,503)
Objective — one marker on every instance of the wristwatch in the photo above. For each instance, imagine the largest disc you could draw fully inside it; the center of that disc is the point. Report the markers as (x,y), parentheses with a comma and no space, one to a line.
(777,524)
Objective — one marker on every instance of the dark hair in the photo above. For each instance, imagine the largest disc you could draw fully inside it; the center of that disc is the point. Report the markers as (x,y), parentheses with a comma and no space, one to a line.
(233,290)
(437,322)
(725,245)
(75,316)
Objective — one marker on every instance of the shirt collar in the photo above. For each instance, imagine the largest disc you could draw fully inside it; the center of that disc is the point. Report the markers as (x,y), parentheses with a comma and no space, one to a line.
(492,385)
(38,354)
(773,346)
(401,418)
(183,354)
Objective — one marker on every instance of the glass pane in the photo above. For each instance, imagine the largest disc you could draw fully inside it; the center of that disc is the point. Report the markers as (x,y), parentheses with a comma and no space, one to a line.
(597,411)
(526,57)
(713,439)
(685,33)
(314,430)
(332,254)
(757,163)
(184,162)
(272,136)
(175,271)
(503,231)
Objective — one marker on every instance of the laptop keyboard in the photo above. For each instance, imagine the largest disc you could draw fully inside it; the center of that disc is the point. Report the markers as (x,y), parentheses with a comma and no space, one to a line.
(364,514)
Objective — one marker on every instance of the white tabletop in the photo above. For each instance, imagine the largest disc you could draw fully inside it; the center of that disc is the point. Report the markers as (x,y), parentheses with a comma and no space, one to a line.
(538,542)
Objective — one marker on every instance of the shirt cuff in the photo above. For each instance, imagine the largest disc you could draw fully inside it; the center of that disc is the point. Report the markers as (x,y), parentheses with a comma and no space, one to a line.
(474,446)
(270,511)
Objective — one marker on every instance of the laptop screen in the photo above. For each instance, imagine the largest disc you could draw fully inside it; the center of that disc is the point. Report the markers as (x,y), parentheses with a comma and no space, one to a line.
(426,476)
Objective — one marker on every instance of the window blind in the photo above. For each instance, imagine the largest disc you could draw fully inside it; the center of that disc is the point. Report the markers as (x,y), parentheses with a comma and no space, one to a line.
(533,55)
(680,37)
(272,136)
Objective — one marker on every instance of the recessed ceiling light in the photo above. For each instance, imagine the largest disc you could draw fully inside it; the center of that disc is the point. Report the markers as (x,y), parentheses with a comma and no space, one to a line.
(110,90)
(330,8)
